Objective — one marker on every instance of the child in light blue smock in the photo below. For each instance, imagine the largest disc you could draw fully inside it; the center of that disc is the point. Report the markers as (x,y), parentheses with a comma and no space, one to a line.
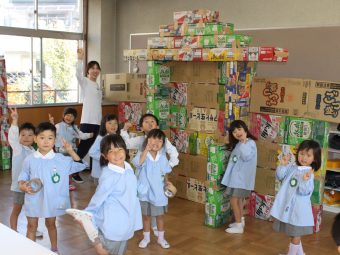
(292,208)
(53,170)
(114,208)
(108,125)
(69,131)
(152,166)
(239,176)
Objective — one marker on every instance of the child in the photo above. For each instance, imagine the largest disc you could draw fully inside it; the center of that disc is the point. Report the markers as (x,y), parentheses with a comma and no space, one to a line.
(109,125)
(53,170)
(292,207)
(152,166)
(114,208)
(21,140)
(336,231)
(148,122)
(69,131)
(240,174)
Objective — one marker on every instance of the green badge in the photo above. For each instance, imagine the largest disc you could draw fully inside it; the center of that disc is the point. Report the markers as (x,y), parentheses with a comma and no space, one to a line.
(234,158)
(55,177)
(293,182)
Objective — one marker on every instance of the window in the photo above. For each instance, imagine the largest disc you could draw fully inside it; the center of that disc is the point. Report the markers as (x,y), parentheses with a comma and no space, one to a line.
(39,40)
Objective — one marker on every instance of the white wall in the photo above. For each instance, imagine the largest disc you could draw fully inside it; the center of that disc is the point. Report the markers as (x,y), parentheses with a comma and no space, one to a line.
(139,16)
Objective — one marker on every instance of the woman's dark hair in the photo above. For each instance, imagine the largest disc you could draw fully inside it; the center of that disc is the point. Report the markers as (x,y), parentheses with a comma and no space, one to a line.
(92,64)
(336,229)
(145,116)
(154,133)
(105,146)
(26,126)
(310,145)
(45,126)
(238,124)
(106,118)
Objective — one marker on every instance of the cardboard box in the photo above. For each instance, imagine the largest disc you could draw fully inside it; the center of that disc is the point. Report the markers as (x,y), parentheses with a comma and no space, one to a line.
(135,54)
(178,117)
(203,119)
(197,167)
(131,112)
(160,42)
(194,72)
(181,184)
(157,74)
(204,95)
(222,54)
(279,96)
(193,144)
(253,53)
(260,206)
(280,54)
(181,169)
(178,93)
(124,87)
(216,209)
(218,220)
(317,214)
(267,154)
(180,139)
(285,149)
(324,101)
(218,157)
(159,107)
(265,181)
(204,140)
(196,16)
(5,164)
(266,54)
(270,128)
(196,191)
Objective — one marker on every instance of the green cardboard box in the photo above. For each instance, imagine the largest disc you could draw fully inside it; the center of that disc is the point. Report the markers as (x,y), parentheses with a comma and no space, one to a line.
(218,157)
(157,74)
(5,152)
(5,164)
(178,117)
(218,220)
(216,209)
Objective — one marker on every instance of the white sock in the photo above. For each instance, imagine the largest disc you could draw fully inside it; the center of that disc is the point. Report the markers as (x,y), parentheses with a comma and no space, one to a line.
(238,225)
(293,249)
(146,236)
(160,235)
(300,250)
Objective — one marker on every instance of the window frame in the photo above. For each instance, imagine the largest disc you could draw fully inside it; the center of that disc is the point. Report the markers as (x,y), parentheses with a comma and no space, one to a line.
(43,34)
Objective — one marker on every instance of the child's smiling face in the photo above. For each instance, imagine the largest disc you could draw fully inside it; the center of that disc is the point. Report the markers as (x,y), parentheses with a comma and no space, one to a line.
(148,124)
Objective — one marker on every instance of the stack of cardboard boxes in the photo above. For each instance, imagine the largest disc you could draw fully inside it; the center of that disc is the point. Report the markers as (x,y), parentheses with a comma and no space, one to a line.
(285,113)
(5,156)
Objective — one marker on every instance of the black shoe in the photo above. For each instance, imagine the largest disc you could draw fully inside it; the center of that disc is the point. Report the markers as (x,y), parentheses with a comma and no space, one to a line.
(77,179)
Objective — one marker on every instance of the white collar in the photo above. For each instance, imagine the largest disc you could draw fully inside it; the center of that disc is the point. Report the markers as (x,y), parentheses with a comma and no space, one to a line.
(157,156)
(28,148)
(49,155)
(116,168)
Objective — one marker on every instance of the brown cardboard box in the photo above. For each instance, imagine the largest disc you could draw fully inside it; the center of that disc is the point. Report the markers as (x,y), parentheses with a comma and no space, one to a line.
(182,167)
(193,166)
(203,95)
(265,181)
(196,190)
(196,72)
(279,96)
(203,119)
(324,101)
(124,87)
(180,182)
(267,153)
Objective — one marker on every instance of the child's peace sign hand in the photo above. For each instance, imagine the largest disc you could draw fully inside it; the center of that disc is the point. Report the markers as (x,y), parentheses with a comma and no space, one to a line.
(307,175)
(14,113)
(51,118)
(80,53)
(68,147)
(148,146)
(285,160)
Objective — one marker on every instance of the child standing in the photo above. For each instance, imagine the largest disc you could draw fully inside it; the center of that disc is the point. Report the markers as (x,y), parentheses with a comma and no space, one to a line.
(109,125)
(68,130)
(240,174)
(292,207)
(114,208)
(152,166)
(20,140)
(53,170)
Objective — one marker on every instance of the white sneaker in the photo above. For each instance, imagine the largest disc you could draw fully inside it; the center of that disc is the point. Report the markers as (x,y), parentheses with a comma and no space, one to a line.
(155,231)
(39,234)
(86,219)
(237,229)
(163,243)
(243,221)
(143,244)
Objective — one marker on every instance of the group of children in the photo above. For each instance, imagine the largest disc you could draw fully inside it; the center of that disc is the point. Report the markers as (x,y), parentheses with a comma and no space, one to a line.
(125,201)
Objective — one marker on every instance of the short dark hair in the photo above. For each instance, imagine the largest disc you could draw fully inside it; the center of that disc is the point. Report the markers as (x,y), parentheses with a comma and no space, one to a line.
(45,126)
(238,124)
(315,147)
(26,126)
(105,145)
(106,118)
(70,110)
(155,133)
(336,229)
(92,64)
(145,116)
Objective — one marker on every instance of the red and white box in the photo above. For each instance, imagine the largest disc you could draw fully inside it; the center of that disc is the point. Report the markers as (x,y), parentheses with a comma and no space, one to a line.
(260,205)
(131,112)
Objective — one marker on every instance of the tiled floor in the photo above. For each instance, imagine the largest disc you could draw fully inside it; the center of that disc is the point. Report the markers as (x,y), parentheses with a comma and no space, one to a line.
(185,231)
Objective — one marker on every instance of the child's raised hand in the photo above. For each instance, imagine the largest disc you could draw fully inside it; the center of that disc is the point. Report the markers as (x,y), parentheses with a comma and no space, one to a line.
(80,53)
(14,113)
(51,118)
(285,160)
(148,146)
(67,146)
(127,125)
